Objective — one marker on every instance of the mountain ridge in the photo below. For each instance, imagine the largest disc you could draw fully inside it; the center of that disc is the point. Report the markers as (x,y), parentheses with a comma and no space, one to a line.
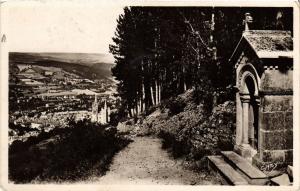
(84,64)
(76,58)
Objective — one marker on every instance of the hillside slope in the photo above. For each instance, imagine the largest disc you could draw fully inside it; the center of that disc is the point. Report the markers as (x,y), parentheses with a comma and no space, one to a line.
(85,65)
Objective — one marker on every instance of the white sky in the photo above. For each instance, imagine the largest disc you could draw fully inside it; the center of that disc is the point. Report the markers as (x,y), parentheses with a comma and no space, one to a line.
(85,26)
(61,26)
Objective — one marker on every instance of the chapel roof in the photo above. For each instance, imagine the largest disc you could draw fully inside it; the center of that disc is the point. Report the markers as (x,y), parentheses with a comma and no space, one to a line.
(267,43)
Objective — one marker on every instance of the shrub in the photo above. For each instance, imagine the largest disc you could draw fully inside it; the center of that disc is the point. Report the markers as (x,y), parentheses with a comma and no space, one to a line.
(114,118)
(150,110)
(20,129)
(66,156)
(175,105)
(178,148)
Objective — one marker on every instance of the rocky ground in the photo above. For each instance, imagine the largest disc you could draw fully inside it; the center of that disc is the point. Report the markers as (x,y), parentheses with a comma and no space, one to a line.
(144,162)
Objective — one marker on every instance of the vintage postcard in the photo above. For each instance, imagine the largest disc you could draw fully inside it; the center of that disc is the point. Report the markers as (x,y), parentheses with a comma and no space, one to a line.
(149,95)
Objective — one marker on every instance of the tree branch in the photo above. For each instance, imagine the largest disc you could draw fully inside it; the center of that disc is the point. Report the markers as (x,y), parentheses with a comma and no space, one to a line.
(194,32)
(197,51)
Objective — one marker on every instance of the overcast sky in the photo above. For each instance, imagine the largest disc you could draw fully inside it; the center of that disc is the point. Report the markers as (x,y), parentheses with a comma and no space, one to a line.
(61,26)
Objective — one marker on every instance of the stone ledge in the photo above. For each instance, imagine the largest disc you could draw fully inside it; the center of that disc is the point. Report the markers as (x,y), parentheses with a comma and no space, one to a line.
(276,92)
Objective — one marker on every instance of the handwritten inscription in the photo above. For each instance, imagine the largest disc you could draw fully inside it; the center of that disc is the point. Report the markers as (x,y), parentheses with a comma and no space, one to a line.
(268,167)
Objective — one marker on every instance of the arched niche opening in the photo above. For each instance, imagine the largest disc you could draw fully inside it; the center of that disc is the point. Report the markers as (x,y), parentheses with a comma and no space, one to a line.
(252,113)
(248,101)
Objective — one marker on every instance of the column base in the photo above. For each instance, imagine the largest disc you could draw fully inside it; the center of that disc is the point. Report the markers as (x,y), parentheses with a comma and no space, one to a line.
(245,150)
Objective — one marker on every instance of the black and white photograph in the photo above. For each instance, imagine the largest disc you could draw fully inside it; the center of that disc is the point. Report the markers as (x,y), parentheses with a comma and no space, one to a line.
(157,94)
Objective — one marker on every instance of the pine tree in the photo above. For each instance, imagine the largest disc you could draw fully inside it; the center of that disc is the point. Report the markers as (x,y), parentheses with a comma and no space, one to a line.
(162,51)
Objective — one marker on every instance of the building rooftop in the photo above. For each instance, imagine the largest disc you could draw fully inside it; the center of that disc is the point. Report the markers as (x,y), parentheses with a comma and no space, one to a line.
(32,70)
(73,92)
(31,82)
(86,92)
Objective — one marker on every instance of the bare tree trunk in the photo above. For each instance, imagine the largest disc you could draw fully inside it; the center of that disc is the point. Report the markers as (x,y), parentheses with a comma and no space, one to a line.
(156,92)
(143,98)
(152,95)
(138,107)
(159,95)
(131,112)
(183,77)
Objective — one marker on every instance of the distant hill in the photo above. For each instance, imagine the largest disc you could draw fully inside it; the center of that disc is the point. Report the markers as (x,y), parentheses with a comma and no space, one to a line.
(92,66)
(77,58)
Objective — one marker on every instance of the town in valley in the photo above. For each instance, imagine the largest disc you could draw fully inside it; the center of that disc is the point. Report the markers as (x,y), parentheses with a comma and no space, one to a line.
(43,96)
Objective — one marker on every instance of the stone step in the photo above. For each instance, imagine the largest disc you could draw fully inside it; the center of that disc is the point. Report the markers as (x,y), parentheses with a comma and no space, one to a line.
(231,176)
(290,171)
(253,175)
(282,180)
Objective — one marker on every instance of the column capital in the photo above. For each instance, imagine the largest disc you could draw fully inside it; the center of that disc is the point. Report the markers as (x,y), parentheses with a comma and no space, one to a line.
(257,100)
(245,98)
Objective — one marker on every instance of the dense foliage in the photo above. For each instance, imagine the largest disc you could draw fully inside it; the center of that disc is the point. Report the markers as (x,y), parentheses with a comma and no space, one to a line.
(66,154)
(162,51)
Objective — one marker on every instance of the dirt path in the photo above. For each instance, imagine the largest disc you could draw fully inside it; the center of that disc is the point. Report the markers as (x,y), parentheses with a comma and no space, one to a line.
(144,162)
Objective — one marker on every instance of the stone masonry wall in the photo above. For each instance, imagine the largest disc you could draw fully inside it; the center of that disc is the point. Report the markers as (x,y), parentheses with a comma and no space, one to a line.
(277,80)
(276,128)
(276,116)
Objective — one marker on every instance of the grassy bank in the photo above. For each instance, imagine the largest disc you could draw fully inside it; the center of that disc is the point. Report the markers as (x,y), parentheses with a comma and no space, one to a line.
(81,150)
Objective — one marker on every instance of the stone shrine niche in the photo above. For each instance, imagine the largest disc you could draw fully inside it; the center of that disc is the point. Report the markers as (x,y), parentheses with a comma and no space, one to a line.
(247,104)
(264,98)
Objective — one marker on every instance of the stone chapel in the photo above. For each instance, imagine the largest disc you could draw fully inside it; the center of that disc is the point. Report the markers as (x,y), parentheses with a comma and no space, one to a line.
(264,99)
(263,151)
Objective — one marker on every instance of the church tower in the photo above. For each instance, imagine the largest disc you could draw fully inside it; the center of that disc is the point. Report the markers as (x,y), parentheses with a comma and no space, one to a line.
(95,110)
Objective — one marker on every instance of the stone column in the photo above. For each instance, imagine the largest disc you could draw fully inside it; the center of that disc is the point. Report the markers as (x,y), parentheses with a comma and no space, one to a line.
(251,124)
(245,104)
(258,125)
(239,121)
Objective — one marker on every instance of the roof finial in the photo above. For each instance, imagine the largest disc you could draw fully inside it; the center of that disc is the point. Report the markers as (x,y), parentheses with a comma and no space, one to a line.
(248,19)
